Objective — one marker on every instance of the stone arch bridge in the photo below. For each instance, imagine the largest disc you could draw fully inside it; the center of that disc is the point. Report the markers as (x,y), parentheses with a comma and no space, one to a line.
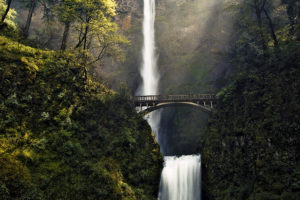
(205,102)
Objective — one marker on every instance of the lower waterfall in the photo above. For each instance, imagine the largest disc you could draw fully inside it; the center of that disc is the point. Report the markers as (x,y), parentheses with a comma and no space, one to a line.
(181,178)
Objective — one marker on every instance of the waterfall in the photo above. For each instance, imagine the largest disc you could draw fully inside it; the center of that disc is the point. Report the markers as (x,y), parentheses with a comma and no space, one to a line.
(149,71)
(181,178)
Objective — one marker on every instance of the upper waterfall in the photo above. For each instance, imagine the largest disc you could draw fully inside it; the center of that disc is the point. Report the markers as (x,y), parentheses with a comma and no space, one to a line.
(149,70)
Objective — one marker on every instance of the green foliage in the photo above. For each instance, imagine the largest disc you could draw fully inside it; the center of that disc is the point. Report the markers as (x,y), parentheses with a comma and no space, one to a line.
(261,26)
(94,27)
(251,145)
(8,27)
(64,135)
(89,25)
(250,150)
(9,20)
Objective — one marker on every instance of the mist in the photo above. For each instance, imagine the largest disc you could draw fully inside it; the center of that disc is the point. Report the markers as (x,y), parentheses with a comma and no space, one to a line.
(192,39)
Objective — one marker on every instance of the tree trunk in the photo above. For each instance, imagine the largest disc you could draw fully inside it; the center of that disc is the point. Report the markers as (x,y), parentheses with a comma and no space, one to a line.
(6,11)
(271,28)
(65,36)
(83,39)
(28,22)
(258,11)
(90,42)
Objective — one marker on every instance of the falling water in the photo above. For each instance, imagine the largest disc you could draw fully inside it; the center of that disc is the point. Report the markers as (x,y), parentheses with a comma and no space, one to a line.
(181,176)
(149,71)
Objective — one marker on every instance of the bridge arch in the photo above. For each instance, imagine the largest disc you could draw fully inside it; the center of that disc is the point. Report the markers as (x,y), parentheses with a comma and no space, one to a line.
(174,104)
(154,102)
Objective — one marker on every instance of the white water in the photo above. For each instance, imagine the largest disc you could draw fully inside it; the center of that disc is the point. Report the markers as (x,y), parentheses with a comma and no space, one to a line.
(181,178)
(149,71)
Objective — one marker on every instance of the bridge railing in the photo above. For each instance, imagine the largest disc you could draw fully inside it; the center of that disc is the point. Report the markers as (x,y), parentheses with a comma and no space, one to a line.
(190,97)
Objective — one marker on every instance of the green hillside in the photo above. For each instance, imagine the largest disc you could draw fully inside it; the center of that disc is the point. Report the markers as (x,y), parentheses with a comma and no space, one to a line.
(64,135)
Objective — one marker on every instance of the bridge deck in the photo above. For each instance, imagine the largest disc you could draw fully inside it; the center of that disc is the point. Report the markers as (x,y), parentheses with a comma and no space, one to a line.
(152,100)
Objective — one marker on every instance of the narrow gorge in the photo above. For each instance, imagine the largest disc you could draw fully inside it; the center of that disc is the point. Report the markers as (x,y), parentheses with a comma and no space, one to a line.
(149,99)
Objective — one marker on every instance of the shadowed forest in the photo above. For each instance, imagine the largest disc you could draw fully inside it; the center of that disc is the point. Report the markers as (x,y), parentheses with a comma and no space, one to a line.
(69,68)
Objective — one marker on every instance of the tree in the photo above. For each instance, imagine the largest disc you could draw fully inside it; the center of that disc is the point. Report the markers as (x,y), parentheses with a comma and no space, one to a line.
(259,6)
(91,22)
(32,6)
(66,14)
(6,11)
(93,16)
(48,8)
(262,24)
(293,12)
(271,27)
(96,30)
(9,14)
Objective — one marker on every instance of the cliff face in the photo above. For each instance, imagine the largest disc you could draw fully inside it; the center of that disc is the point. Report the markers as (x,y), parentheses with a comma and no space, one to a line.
(128,9)
(129,6)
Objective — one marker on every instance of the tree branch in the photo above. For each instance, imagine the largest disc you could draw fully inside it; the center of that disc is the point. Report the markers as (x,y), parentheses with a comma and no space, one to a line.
(271,28)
